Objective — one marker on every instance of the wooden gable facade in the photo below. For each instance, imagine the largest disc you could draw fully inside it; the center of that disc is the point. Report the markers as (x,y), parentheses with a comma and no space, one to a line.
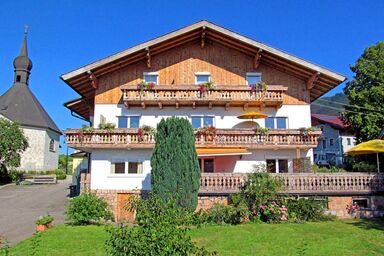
(201,47)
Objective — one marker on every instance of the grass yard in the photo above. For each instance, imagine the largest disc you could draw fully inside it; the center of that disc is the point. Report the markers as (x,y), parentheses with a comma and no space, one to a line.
(322,238)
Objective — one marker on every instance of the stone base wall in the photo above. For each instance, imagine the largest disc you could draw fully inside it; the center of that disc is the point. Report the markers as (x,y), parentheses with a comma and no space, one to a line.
(337,205)
(207,202)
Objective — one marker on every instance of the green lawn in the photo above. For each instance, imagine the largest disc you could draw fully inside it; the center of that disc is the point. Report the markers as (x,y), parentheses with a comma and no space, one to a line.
(322,238)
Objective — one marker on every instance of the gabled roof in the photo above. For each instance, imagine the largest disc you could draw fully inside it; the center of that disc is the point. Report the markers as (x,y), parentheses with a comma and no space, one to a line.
(334,121)
(319,79)
(18,104)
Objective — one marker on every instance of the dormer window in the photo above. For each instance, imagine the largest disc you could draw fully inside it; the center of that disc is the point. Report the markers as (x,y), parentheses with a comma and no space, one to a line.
(253,78)
(202,77)
(151,77)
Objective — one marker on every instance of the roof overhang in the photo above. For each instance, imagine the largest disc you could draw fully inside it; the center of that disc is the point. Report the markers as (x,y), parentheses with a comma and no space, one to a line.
(319,79)
(80,106)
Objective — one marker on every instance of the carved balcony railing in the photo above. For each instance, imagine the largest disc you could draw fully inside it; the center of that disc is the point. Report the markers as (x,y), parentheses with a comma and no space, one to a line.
(189,95)
(247,138)
(294,183)
(300,183)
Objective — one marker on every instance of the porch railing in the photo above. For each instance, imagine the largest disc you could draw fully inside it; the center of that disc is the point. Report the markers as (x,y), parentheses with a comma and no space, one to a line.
(124,138)
(301,183)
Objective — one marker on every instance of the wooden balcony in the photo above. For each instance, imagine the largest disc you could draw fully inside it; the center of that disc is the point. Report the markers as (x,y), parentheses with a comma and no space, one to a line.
(300,183)
(245,138)
(189,95)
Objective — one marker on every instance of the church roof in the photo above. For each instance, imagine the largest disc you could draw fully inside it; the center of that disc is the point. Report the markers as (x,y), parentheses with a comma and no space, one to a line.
(19,104)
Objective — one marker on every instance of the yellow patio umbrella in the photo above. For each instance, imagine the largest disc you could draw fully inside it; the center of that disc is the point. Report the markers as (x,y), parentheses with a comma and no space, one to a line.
(252,115)
(368,147)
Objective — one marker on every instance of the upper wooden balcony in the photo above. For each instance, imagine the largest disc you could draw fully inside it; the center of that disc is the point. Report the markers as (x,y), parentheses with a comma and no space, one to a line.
(244,138)
(189,95)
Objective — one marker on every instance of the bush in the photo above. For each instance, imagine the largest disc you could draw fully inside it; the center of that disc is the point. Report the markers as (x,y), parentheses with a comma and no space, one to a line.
(60,175)
(159,232)
(44,220)
(88,208)
(305,209)
(364,167)
(272,213)
(260,188)
(319,169)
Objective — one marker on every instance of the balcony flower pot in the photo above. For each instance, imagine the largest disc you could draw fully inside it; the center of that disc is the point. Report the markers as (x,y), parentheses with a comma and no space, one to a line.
(43,223)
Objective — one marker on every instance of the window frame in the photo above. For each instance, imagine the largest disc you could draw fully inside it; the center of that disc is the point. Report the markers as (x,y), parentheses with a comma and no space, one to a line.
(52,146)
(203,74)
(249,74)
(151,74)
(140,164)
(275,122)
(128,121)
(202,120)
(276,160)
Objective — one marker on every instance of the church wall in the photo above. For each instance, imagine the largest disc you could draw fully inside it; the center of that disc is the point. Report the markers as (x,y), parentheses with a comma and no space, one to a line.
(51,157)
(38,157)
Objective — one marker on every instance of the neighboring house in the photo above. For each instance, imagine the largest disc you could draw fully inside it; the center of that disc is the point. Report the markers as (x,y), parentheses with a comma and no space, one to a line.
(336,139)
(19,105)
(177,63)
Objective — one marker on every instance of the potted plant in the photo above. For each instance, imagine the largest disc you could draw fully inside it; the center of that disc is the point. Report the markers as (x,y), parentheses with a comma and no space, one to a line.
(84,130)
(205,87)
(308,132)
(43,223)
(209,132)
(146,85)
(262,130)
(260,86)
(145,129)
(107,126)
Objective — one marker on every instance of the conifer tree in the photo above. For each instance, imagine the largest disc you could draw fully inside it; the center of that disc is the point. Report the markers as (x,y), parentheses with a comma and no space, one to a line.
(175,168)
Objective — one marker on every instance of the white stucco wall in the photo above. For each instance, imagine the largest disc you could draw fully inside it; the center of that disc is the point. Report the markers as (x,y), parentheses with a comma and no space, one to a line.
(298,115)
(38,157)
(103,179)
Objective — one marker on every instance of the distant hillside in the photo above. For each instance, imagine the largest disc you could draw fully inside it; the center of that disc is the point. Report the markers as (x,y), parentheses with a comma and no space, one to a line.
(327,105)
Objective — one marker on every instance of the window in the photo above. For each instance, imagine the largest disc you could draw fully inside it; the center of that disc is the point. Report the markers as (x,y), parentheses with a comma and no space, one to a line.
(253,78)
(126,168)
(270,122)
(151,77)
(361,202)
(118,168)
(208,165)
(283,165)
(135,168)
(276,122)
(324,144)
(201,121)
(277,165)
(331,142)
(271,165)
(281,122)
(348,141)
(202,77)
(52,145)
(128,121)
(18,78)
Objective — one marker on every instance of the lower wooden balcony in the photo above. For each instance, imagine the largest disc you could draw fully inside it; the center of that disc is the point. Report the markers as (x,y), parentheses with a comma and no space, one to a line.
(189,95)
(293,184)
(244,138)
(300,183)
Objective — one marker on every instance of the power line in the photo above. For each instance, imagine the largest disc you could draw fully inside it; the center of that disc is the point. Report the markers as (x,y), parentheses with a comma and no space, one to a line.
(353,106)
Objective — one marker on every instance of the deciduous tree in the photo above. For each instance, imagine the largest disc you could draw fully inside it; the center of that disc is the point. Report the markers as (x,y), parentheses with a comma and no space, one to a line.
(366,94)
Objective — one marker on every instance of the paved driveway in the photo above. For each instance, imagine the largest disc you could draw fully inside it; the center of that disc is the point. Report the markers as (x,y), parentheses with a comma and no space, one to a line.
(20,206)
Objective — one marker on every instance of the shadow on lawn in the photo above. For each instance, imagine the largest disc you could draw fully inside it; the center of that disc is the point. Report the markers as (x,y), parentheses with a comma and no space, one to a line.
(369,224)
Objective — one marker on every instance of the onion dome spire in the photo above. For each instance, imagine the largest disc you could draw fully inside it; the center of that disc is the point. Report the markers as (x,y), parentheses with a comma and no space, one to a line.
(22,63)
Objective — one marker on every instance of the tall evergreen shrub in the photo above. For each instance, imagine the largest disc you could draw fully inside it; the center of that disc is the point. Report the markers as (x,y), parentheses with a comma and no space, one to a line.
(175,167)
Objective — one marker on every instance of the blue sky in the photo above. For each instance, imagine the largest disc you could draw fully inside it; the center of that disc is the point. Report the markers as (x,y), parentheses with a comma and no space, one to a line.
(65,35)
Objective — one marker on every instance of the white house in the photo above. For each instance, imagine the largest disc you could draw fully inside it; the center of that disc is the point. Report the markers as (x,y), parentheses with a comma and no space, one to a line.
(248,76)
